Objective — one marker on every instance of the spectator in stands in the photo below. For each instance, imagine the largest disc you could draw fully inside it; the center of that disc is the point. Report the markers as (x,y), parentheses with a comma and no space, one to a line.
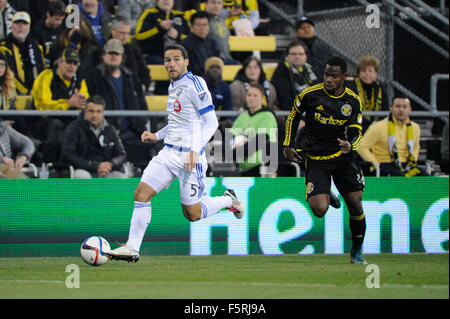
(393,143)
(158,27)
(444,149)
(220,90)
(13,145)
(292,75)
(8,96)
(6,14)
(219,30)
(58,88)
(368,88)
(92,145)
(246,129)
(98,19)
(199,46)
(132,9)
(251,73)
(121,90)
(133,59)
(50,27)
(23,53)
(80,38)
(241,9)
(318,51)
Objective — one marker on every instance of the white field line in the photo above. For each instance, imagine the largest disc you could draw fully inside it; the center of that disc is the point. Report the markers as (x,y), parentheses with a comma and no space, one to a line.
(215,283)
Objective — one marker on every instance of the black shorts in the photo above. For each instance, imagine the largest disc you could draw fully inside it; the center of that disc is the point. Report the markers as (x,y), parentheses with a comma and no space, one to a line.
(347,176)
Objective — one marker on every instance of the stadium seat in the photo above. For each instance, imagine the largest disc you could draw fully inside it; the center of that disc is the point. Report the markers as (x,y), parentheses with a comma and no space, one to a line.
(156,102)
(24,102)
(249,44)
(158,72)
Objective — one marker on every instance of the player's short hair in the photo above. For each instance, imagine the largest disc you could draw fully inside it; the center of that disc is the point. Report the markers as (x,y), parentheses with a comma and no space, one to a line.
(96,99)
(200,15)
(338,61)
(177,47)
(56,8)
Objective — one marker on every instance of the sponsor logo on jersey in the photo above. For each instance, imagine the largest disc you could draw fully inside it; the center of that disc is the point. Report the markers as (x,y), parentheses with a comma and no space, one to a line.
(328,120)
(177,106)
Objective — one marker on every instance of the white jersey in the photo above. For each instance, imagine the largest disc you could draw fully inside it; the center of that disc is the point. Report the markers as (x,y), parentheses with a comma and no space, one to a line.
(189,98)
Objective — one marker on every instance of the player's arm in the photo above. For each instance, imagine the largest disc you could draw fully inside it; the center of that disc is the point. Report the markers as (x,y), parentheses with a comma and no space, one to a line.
(354,129)
(291,130)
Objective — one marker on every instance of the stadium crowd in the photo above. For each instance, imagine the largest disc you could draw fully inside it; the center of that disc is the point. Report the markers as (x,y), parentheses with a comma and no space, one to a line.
(103,61)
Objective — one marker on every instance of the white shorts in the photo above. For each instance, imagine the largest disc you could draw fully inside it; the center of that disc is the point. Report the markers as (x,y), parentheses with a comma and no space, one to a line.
(168,165)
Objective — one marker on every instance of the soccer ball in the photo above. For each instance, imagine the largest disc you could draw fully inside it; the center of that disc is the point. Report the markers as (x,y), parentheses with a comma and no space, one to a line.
(92,250)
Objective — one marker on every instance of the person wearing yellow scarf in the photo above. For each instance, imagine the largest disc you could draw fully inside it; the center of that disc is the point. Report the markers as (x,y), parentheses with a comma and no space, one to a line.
(393,143)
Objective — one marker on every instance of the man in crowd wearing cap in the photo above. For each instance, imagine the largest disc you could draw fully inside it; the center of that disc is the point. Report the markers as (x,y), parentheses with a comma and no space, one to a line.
(121,90)
(199,46)
(58,88)
(23,53)
(133,58)
(318,51)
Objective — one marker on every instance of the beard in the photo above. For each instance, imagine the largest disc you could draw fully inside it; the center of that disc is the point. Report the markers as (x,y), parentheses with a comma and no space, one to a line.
(110,68)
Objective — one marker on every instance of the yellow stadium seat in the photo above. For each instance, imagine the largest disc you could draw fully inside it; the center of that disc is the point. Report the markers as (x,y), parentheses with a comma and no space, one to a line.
(256,43)
(24,102)
(158,72)
(230,71)
(156,102)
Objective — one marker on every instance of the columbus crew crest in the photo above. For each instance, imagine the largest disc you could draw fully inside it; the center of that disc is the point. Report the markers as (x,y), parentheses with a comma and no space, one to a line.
(346,109)
(309,188)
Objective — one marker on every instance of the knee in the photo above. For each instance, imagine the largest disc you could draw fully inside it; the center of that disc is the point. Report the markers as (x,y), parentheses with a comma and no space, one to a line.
(191,214)
(141,196)
(319,210)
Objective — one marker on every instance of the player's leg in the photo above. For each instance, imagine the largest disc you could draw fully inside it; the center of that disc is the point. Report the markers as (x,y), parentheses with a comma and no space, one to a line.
(195,204)
(155,178)
(318,184)
(349,181)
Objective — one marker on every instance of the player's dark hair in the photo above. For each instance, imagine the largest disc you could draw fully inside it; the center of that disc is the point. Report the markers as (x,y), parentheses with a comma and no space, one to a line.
(177,47)
(56,8)
(96,99)
(338,61)
(200,15)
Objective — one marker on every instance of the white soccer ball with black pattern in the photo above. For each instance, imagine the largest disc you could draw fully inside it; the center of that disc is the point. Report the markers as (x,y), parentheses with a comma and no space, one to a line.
(94,251)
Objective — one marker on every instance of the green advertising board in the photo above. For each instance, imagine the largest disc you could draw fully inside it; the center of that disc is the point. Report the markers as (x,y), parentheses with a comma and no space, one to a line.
(52,217)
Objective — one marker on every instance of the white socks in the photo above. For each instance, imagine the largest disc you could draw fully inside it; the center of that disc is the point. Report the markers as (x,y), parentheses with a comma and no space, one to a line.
(142,214)
(212,205)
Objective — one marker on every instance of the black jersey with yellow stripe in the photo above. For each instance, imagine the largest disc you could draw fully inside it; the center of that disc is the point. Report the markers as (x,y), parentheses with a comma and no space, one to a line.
(150,34)
(327,118)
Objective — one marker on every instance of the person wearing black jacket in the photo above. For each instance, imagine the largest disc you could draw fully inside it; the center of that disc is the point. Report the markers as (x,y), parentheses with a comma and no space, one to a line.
(318,51)
(121,90)
(292,75)
(23,53)
(92,145)
(198,44)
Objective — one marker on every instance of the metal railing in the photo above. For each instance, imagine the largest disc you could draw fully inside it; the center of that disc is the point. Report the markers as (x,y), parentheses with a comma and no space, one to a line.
(131,113)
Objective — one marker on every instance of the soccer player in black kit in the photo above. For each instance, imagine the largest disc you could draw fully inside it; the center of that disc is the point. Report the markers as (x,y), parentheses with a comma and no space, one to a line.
(332,132)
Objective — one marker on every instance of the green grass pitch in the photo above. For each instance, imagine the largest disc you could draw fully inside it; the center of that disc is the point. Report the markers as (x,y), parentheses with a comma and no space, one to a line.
(222,277)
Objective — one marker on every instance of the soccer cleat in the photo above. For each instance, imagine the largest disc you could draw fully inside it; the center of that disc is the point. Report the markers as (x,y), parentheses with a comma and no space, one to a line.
(334,200)
(356,257)
(123,253)
(236,208)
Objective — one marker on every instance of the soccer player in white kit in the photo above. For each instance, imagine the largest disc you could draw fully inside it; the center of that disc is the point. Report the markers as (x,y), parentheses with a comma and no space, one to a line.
(192,122)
